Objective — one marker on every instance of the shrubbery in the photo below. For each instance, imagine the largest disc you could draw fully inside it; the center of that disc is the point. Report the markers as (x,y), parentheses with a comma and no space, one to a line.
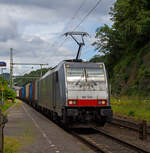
(137,108)
(8,93)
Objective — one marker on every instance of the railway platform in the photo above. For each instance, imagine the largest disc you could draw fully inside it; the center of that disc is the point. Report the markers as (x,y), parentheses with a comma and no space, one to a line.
(37,134)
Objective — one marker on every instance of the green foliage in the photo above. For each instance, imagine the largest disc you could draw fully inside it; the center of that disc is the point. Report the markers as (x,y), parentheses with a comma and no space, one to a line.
(8,93)
(136,107)
(98,58)
(22,81)
(6,105)
(125,47)
(131,113)
(11,145)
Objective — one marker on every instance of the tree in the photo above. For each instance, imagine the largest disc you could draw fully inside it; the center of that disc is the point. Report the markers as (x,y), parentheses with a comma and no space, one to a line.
(126,40)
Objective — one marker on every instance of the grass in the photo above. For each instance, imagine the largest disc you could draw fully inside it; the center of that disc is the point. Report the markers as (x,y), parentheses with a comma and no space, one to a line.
(14,144)
(84,148)
(17,103)
(6,105)
(133,107)
(11,145)
(27,136)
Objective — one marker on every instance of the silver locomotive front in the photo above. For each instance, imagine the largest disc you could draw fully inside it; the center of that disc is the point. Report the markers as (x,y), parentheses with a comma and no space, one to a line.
(87,93)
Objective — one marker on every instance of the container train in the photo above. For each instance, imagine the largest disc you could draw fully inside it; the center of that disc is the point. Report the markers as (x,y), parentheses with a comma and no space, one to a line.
(75,93)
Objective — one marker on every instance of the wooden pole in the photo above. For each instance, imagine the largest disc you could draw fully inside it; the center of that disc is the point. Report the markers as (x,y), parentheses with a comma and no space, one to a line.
(143,130)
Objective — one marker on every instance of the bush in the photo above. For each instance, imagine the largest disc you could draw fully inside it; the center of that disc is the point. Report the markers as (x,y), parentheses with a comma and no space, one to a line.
(10,94)
(135,107)
(131,113)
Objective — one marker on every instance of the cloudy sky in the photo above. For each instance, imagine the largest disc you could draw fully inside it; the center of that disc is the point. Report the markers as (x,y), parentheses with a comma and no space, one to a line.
(34,28)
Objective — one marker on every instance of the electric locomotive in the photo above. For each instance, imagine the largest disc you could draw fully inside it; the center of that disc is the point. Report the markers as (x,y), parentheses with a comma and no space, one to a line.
(76,93)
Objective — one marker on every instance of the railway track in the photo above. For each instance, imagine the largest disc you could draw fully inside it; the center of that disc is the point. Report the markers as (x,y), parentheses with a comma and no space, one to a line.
(124,143)
(86,141)
(128,124)
(102,142)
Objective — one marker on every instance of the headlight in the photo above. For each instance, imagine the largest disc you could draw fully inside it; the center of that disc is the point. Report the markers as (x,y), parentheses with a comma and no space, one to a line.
(101,66)
(67,66)
(103,102)
(70,102)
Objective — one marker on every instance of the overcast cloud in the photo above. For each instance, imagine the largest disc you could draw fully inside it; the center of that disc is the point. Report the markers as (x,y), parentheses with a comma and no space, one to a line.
(33,28)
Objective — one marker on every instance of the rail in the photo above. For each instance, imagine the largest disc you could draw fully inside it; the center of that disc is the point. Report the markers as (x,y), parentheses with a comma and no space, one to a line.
(91,145)
(131,146)
(142,128)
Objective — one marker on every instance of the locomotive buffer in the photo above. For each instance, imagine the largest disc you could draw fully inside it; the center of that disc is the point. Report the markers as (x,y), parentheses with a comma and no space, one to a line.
(81,44)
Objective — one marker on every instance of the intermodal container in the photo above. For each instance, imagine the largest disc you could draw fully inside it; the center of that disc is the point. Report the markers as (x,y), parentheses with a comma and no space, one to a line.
(17,92)
(23,93)
(36,90)
(20,94)
(27,90)
(30,92)
(33,91)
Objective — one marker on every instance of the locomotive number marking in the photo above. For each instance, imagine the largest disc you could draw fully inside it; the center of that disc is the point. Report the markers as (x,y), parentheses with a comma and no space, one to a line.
(87,97)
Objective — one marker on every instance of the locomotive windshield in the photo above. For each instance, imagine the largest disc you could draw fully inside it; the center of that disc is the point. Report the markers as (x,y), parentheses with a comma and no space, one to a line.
(95,74)
(86,79)
(75,74)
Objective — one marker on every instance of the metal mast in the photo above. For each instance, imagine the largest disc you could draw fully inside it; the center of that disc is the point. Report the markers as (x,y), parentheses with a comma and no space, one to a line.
(11,68)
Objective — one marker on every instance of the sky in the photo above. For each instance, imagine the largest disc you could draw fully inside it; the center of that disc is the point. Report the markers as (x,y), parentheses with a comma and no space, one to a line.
(34,29)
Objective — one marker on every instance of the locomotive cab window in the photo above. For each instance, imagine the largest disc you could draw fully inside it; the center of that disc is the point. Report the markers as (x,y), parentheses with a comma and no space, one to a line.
(96,74)
(75,74)
(84,79)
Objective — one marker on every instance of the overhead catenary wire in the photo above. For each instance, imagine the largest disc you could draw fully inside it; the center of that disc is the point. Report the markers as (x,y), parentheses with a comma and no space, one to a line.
(69,22)
(83,19)
(25,71)
(76,13)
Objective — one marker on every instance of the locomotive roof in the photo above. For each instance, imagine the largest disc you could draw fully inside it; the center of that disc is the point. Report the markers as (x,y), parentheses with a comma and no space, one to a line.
(72,63)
